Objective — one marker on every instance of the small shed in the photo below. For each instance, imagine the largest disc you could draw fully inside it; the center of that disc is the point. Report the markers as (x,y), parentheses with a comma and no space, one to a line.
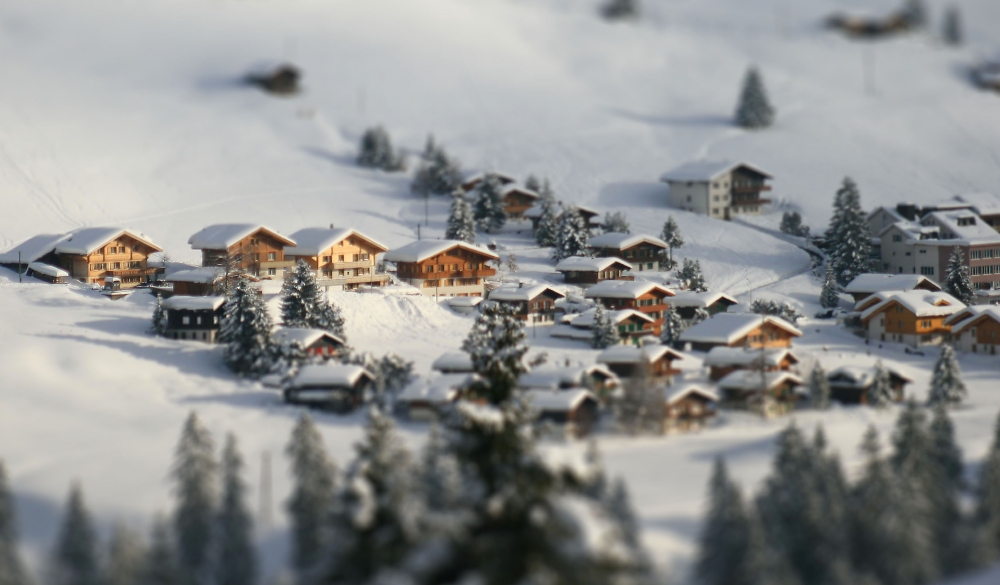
(586,271)
(760,391)
(196,318)
(336,387)
(623,360)
(47,273)
(453,362)
(687,303)
(689,406)
(316,342)
(423,400)
(576,409)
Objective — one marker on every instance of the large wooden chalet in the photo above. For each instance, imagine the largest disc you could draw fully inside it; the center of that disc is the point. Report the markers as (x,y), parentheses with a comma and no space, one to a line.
(339,256)
(643,296)
(915,317)
(688,406)
(584,271)
(444,267)
(866,285)
(517,200)
(740,330)
(632,325)
(643,252)
(254,249)
(976,329)
(534,303)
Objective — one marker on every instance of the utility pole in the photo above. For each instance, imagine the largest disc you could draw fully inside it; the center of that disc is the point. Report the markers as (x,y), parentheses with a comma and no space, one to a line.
(18,266)
(265,493)
(427,200)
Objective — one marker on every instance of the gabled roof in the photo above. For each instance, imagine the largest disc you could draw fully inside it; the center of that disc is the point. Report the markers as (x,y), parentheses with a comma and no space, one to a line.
(919,302)
(952,233)
(703,300)
(676,393)
(583,264)
(706,170)
(630,354)
(453,361)
(874,283)
(551,376)
(861,376)
(186,303)
(722,357)
(507,190)
(522,293)
(31,249)
(86,240)
(423,249)
(728,327)
(750,380)
(439,389)
(479,176)
(306,337)
(586,319)
(313,241)
(620,241)
(202,275)
(328,376)
(981,203)
(624,289)
(47,270)
(968,316)
(221,236)
(558,400)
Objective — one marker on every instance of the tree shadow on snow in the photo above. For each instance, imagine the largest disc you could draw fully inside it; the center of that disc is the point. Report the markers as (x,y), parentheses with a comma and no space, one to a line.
(696,121)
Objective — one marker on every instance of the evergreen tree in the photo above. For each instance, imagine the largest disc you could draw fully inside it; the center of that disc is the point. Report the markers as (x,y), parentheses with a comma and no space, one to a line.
(958,283)
(620,9)
(11,569)
(848,238)
(330,318)
(880,393)
(690,276)
(237,558)
(754,110)
(488,209)
(533,184)
(126,557)
(158,323)
(776,309)
(639,409)
(615,223)
(246,329)
(952,28)
(75,560)
(604,331)
(916,13)
(545,233)
(829,297)
(952,537)
(314,478)
(673,326)
(461,223)
(700,315)
(194,476)
(161,562)
(791,224)
(495,345)
(618,504)
(987,513)
(571,235)
(376,151)
(299,294)
(440,488)
(819,388)
(438,173)
(947,386)
(671,235)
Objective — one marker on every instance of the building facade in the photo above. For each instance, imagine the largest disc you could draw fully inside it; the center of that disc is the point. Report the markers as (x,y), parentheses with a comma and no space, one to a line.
(643,252)
(532,303)
(646,297)
(444,267)
(91,255)
(718,189)
(340,257)
(254,249)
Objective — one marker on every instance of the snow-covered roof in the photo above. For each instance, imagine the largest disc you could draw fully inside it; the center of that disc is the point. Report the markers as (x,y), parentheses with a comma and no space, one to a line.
(328,376)
(620,241)
(31,249)
(981,203)
(961,320)
(722,357)
(960,227)
(521,293)
(586,319)
(203,275)
(675,393)
(583,264)
(558,400)
(453,361)
(706,170)
(223,235)
(47,270)
(86,240)
(423,249)
(186,303)
(920,302)
(624,289)
(306,337)
(729,327)
(464,301)
(630,354)
(439,389)
(552,376)
(533,211)
(480,175)
(314,241)
(860,376)
(873,283)
(749,380)
(519,190)
(702,300)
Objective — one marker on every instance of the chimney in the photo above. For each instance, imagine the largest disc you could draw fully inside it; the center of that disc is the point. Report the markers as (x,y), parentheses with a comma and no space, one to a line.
(331,226)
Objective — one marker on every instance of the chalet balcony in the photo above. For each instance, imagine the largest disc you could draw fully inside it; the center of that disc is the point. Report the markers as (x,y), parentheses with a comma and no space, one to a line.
(745,189)
(134,272)
(449,274)
(347,265)
(373,279)
(746,202)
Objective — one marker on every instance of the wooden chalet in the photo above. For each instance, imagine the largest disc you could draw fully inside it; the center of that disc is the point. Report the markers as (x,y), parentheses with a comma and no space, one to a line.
(740,330)
(242,247)
(473,181)
(339,256)
(315,342)
(444,267)
(869,27)
(585,271)
(625,360)
(336,387)
(590,216)
(768,393)
(913,317)
(688,407)
(47,273)
(196,318)
(453,362)
(517,200)
(424,400)
(866,285)
(722,361)
(531,303)
(594,377)
(688,302)
(576,409)
(643,252)
(643,296)
(976,329)
(203,281)
(633,326)
(850,384)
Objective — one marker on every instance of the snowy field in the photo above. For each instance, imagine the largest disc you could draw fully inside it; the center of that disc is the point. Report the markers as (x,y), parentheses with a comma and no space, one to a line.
(131,113)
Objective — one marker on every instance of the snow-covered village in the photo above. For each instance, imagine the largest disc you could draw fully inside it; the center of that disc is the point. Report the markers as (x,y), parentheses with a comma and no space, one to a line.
(504,292)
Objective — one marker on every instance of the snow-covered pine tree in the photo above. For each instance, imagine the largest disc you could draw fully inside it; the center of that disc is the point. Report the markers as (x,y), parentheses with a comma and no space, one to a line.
(545,233)
(916,13)
(126,557)
(314,477)
(791,224)
(671,235)
(829,297)
(572,234)
(440,487)
(636,568)
(488,208)
(246,329)
(236,561)
(673,326)
(376,151)
(880,393)
(958,283)
(952,27)
(286,358)
(848,239)
(75,560)
(158,322)
(615,223)
(438,173)
(512,265)
(461,223)
(11,568)
(194,476)
(987,511)
(819,388)
(754,110)
(620,9)
(952,536)
(730,547)
(691,277)
(604,331)
(330,318)
(700,315)
(533,184)
(947,386)
(775,308)
(496,346)
(160,567)
(639,408)
(299,294)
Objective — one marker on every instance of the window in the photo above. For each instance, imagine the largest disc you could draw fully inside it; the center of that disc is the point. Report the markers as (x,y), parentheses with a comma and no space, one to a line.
(689,199)
(116,266)
(909,253)
(272,256)
(272,271)
(327,258)
(454,267)
(256,257)
(927,270)
(185,320)
(428,269)
(254,241)
(897,238)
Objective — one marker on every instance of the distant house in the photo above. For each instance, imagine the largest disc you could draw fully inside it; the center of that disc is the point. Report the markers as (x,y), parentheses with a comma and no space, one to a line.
(336,387)
(517,200)
(454,362)
(687,303)
(282,79)
(865,285)
(624,359)
(688,406)
(724,360)
(767,392)
(643,296)
(583,271)
(740,330)
(473,181)
(590,217)
(532,303)
(576,408)
(641,251)
(632,326)
(423,400)
(47,273)
(718,189)
(196,282)
(339,256)
(251,248)
(315,342)
(443,267)
(850,384)
(196,318)
(976,329)
(914,317)
(595,377)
